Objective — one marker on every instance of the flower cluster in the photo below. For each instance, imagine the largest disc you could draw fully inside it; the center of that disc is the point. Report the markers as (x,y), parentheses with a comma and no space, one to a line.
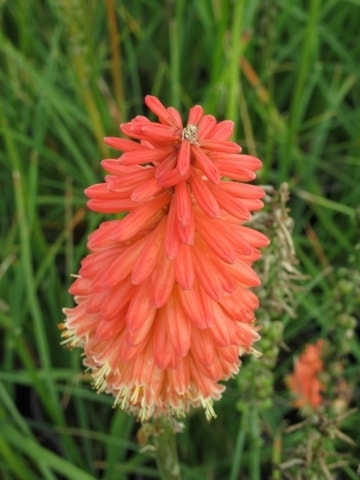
(304,382)
(163,301)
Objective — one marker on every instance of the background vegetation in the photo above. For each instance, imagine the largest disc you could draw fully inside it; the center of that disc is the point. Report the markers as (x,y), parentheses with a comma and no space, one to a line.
(288,74)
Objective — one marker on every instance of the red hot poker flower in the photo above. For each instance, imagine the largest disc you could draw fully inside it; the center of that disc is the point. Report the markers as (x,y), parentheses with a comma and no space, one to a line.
(304,382)
(163,302)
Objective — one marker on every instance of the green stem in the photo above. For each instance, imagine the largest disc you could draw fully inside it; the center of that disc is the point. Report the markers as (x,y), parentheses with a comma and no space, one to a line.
(176,42)
(276,456)
(256,443)
(307,60)
(74,16)
(239,448)
(165,449)
(238,47)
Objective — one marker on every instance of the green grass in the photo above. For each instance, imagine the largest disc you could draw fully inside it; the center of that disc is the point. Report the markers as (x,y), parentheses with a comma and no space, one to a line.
(70,71)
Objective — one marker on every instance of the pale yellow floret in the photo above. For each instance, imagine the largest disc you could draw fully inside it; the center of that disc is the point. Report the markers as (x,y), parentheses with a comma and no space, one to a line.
(99,377)
(70,339)
(255,352)
(207,404)
(134,401)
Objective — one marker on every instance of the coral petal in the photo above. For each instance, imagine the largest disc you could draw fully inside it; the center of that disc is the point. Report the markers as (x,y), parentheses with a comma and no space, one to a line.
(148,257)
(183,163)
(203,195)
(141,309)
(202,346)
(178,326)
(195,115)
(206,165)
(164,352)
(162,281)
(184,268)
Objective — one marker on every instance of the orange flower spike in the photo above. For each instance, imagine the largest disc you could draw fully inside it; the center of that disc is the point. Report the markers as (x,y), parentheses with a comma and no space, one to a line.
(304,382)
(163,307)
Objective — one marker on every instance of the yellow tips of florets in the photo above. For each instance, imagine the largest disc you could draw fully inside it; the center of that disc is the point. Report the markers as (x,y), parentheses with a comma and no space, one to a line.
(207,405)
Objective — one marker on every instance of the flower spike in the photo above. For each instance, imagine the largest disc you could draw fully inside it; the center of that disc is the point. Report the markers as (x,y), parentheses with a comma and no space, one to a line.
(164,308)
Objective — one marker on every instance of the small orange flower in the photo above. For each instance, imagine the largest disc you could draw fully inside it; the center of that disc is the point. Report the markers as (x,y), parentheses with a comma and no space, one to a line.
(304,382)
(163,302)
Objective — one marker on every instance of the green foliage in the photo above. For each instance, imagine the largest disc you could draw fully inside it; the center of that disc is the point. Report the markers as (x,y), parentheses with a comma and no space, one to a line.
(71,70)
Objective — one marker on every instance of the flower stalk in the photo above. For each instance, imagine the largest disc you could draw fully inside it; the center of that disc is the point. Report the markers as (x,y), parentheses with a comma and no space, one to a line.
(165,449)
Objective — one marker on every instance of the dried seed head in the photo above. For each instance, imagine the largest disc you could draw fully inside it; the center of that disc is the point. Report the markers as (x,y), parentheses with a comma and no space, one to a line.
(190,133)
